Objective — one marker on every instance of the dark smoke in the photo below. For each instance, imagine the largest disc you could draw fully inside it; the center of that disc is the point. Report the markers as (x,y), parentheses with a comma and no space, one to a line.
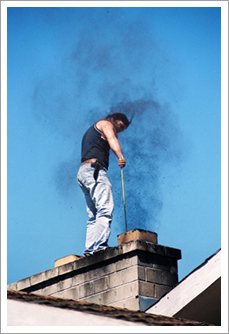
(114,65)
(152,148)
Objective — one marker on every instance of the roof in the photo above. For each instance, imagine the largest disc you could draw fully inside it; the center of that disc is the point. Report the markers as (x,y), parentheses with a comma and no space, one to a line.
(108,311)
(201,265)
(197,296)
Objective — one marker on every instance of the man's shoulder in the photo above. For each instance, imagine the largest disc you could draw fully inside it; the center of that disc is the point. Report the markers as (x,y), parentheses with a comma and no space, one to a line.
(103,124)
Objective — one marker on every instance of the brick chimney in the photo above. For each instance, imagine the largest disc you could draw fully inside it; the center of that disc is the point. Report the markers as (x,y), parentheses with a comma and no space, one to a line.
(133,275)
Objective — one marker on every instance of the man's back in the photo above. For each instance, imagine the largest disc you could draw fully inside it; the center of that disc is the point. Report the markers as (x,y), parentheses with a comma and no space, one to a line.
(95,146)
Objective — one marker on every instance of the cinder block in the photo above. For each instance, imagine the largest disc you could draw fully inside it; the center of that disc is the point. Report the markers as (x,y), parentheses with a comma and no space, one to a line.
(38,278)
(97,299)
(126,291)
(93,274)
(23,284)
(49,290)
(104,270)
(72,293)
(129,274)
(67,259)
(101,284)
(86,289)
(154,276)
(173,269)
(115,279)
(51,273)
(64,284)
(107,269)
(126,275)
(137,235)
(59,286)
(133,273)
(166,264)
(123,263)
(157,261)
(168,278)
(108,296)
(79,279)
(104,298)
(160,290)
(147,259)
(173,252)
(42,292)
(12,286)
(134,260)
(65,268)
(141,273)
(147,289)
(129,246)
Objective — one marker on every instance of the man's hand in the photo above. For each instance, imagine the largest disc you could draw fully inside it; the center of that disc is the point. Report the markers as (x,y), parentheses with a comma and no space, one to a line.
(121,162)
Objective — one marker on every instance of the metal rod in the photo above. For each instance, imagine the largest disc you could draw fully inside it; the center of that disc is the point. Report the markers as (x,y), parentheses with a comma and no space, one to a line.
(124,202)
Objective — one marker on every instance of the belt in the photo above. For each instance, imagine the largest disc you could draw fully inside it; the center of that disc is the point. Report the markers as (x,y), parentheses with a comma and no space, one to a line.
(94,163)
(87,161)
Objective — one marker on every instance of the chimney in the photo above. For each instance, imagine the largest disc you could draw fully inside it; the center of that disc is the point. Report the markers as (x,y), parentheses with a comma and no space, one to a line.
(133,275)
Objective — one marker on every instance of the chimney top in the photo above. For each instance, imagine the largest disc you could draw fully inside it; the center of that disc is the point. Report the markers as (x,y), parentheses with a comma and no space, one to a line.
(137,234)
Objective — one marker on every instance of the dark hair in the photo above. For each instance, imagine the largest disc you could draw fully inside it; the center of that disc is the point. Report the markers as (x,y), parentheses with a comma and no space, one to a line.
(118,117)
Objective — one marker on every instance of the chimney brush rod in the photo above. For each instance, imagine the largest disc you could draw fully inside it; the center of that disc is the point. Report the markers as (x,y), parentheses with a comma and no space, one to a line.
(124,202)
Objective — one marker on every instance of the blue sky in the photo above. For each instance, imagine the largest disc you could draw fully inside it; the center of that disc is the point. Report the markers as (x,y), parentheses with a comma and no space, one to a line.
(66,69)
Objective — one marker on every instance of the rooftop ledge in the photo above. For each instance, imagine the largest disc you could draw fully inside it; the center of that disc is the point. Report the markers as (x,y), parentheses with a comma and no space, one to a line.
(120,251)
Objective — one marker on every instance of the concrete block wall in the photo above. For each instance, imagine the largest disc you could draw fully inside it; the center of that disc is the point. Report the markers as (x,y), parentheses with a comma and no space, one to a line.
(119,276)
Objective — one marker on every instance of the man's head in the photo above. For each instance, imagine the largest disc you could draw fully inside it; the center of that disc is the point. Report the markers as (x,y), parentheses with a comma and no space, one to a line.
(119,120)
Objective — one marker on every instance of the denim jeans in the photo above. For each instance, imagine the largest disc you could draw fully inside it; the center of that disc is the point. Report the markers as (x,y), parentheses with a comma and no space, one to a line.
(100,205)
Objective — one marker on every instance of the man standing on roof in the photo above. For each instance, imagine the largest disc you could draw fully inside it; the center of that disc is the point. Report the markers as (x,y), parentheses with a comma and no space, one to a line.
(93,180)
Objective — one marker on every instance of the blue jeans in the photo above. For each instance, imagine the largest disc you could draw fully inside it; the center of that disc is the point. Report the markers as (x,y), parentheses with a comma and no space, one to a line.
(100,205)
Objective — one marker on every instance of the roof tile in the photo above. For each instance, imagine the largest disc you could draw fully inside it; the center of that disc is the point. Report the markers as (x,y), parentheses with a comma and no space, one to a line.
(109,311)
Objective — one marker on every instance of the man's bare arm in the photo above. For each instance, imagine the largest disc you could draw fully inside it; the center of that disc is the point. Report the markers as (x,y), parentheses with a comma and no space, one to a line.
(108,130)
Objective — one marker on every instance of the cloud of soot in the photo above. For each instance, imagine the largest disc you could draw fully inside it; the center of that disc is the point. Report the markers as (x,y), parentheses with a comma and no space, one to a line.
(152,147)
(115,65)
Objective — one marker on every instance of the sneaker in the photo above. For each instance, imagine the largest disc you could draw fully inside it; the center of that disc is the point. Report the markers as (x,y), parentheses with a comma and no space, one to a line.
(101,250)
(88,254)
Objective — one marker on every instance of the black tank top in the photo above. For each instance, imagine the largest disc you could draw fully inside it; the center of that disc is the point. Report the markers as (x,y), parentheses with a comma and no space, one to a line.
(95,145)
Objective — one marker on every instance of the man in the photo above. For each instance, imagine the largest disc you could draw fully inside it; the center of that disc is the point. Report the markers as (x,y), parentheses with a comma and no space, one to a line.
(93,180)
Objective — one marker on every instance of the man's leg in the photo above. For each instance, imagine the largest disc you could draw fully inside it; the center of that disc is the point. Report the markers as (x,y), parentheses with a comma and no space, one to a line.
(100,205)
(104,204)
(90,235)
(87,183)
